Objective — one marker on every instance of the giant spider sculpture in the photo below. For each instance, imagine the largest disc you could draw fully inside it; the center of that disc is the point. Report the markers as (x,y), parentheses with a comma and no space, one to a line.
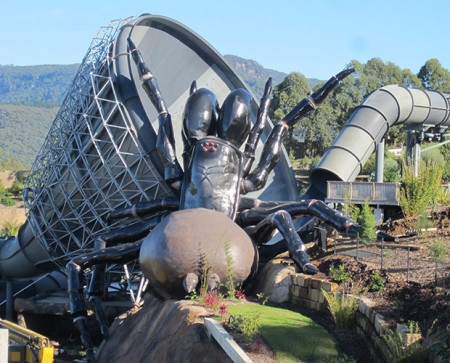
(208,225)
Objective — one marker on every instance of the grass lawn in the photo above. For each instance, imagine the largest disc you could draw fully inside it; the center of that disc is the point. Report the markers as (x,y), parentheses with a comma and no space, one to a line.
(292,336)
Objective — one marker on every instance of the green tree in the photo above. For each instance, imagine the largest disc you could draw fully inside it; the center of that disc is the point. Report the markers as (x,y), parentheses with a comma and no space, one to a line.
(392,167)
(286,95)
(366,220)
(434,76)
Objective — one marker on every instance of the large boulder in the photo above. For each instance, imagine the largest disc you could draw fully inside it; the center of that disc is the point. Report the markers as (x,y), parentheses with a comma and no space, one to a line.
(161,331)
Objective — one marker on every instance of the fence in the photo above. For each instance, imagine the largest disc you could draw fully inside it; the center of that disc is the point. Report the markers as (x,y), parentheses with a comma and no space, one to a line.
(396,258)
(359,192)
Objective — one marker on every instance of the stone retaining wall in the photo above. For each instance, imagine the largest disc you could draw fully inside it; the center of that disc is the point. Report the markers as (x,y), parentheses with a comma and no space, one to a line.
(283,284)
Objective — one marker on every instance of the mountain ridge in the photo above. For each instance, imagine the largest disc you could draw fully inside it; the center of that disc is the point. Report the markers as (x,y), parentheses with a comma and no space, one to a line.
(31,95)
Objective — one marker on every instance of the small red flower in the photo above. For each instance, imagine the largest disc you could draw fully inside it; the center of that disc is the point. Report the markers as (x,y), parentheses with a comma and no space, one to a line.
(239,294)
(223,309)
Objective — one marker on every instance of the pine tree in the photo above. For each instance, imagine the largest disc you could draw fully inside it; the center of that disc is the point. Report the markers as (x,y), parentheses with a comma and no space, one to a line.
(366,220)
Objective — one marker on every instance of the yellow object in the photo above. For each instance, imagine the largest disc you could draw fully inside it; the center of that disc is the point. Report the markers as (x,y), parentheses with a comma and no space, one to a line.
(16,353)
(38,348)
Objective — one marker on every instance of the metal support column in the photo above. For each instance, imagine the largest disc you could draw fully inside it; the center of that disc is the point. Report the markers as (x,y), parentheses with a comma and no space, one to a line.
(9,301)
(379,165)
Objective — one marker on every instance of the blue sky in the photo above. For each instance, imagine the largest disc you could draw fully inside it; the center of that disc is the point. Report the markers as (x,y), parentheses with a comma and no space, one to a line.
(316,38)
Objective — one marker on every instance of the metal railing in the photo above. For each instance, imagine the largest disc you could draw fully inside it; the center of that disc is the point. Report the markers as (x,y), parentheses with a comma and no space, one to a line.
(359,192)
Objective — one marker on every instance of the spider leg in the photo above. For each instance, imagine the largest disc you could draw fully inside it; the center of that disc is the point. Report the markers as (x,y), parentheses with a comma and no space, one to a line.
(272,148)
(261,220)
(165,142)
(117,254)
(310,207)
(258,128)
(145,209)
(96,290)
(282,221)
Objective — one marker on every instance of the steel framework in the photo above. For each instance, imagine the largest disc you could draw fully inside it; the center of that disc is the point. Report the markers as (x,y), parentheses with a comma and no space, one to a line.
(91,161)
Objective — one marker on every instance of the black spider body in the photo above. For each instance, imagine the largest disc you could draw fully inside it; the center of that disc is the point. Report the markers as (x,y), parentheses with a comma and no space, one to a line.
(208,231)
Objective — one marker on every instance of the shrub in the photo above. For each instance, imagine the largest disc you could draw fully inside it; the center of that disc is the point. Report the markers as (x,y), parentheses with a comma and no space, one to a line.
(413,353)
(339,274)
(419,193)
(366,220)
(376,282)
(16,188)
(11,228)
(7,201)
(342,307)
(438,250)
(394,342)
(349,209)
(248,325)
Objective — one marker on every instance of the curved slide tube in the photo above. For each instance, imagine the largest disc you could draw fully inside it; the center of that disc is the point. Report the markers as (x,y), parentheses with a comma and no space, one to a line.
(387,106)
(20,256)
(56,280)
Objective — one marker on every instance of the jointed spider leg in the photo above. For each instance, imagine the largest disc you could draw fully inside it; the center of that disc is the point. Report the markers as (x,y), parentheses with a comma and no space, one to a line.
(282,221)
(165,143)
(144,209)
(272,148)
(258,128)
(261,220)
(311,207)
(120,254)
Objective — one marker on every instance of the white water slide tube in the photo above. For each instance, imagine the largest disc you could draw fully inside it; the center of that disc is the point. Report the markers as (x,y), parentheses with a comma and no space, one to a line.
(368,124)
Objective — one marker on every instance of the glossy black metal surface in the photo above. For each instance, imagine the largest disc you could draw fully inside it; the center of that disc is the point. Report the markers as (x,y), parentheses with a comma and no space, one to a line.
(165,142)
(213,178)
(234,118)
(199,119)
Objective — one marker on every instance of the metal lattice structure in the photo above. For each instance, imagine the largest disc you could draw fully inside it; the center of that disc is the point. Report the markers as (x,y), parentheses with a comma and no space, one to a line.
(91,161)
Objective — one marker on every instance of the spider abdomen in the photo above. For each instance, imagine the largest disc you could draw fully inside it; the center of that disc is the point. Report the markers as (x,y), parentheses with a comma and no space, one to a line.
(196,242)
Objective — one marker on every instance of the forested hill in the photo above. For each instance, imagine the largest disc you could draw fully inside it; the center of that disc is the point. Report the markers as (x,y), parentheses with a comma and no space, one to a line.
(43,85)
(255,75)
(30,97)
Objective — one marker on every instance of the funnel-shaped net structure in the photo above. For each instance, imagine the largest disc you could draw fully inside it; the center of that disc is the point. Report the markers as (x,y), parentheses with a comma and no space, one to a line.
(91,161)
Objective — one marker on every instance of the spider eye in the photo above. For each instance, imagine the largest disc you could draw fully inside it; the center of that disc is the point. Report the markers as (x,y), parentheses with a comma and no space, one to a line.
(234,118)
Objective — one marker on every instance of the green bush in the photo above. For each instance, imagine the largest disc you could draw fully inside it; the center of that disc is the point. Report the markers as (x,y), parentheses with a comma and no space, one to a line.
(419,193)
(438,250)
(248,325)
(339,274)
(376,282)
(414,353)
(10,228)
(16,188)
(7,201)
(342,307)
(349,209)
(366,220)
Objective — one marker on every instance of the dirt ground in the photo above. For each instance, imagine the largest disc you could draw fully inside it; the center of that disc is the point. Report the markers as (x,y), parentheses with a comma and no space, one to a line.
(416,285)
(13,214)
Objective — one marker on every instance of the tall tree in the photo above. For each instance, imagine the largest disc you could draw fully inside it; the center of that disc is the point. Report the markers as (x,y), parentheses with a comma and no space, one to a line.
(434,76)
(286,95)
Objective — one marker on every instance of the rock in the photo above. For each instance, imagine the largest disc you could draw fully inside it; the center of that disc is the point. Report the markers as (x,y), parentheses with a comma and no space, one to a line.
(274,280)
(161,331)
